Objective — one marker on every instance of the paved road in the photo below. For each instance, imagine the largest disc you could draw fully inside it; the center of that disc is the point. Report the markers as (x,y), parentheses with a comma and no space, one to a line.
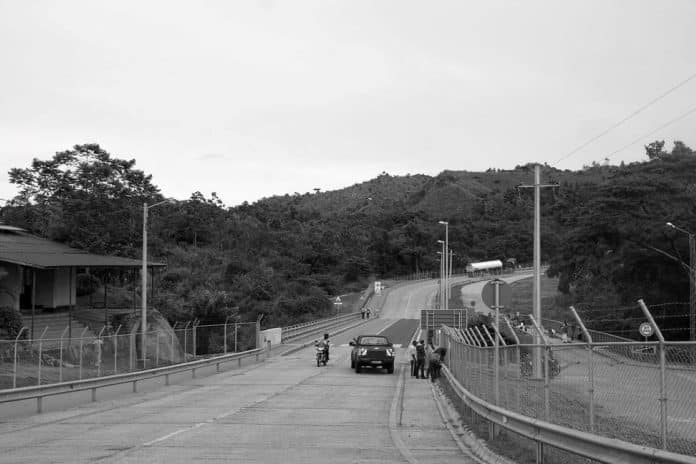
(283,410)
(405,302)
(473,291)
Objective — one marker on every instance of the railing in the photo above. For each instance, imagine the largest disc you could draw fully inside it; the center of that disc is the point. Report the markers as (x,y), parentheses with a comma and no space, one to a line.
(40,392)
(296,331)
(583,403)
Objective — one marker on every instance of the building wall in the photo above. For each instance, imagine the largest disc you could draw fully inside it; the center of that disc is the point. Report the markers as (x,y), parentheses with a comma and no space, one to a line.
(64,288)
(10,284)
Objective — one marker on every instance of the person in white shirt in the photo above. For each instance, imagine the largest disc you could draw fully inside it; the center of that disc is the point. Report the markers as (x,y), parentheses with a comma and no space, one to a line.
(411,351)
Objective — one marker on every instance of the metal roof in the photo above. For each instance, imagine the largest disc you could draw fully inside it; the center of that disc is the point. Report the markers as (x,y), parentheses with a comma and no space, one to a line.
(19,247)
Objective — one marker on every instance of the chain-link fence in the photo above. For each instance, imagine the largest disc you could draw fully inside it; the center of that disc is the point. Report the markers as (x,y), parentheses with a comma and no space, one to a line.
(27,362)
(639,392)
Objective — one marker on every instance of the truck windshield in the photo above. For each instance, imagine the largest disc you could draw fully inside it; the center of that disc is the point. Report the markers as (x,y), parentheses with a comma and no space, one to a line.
(374,341)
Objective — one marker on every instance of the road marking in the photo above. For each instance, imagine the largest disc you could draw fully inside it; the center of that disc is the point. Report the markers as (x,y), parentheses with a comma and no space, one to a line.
(397,403)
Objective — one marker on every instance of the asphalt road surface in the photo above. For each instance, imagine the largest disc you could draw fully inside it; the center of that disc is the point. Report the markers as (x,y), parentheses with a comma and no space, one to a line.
(282,410)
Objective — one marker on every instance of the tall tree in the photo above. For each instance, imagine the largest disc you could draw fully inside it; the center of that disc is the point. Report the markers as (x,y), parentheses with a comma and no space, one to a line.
(85,197)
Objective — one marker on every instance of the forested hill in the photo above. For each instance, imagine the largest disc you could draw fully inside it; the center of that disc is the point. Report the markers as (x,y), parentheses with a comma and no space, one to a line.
(603,230)
(451,193)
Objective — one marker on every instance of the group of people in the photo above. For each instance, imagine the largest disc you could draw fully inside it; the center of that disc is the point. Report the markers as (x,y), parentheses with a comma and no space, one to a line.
(365,312)
(426,360)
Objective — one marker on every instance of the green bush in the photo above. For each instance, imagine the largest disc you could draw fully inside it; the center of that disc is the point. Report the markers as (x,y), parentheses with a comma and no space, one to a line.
(11,322)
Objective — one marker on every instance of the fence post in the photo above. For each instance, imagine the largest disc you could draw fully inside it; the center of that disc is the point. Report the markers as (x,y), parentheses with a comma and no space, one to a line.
(225,334)
(116,349)
(131,348)
(517,360)
(484,364)
(99,351)
(502,343)
(590,367)
(157,348)
(663,398)
(196,323)
(496,371)
(60,355)
(186,340)
(235,337)
(539,330)
(14,370)
(82,336)
(171,344)
(38,381)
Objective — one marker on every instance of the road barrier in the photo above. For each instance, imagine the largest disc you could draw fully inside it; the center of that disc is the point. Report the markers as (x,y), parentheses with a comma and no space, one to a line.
(648,405)
(294,332)
(602,449)
(40,392)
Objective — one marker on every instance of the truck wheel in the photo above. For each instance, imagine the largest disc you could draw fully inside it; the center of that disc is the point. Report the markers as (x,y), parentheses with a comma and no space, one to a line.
(357,368)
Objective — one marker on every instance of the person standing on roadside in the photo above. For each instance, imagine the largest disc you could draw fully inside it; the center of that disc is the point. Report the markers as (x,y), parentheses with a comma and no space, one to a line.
(429,350)
(436,362)
(362,312)
(411,350)
(420,360)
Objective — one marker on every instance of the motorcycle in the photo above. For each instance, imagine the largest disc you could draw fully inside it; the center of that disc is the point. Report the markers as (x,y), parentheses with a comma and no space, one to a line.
(321,355)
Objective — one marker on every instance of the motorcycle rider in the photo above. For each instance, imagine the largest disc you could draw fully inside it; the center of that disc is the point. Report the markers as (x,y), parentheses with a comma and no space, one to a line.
(325,345)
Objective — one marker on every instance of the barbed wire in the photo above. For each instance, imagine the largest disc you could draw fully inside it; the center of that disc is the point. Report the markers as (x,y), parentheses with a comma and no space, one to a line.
(626,308)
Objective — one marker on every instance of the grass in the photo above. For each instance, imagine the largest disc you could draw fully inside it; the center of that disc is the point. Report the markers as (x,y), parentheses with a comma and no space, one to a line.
(554,305)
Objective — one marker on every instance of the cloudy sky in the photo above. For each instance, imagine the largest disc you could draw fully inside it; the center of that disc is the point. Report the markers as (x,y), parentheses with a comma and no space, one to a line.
(256,98)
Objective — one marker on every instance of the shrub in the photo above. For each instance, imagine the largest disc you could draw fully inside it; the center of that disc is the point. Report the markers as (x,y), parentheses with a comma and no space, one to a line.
(11,321)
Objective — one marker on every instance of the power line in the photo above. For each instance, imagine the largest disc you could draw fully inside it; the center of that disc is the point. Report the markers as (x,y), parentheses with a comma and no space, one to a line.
(678,118)
(630,116)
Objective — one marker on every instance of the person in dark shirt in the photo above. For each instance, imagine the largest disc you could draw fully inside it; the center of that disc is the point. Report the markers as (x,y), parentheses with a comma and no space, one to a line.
(420,360)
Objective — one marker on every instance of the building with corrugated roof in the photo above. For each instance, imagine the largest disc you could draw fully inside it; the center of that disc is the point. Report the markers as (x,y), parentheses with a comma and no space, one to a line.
(40,273)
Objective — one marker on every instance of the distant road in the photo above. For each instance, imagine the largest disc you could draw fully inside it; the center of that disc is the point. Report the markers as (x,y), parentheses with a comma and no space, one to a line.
(473,291)
(405,302)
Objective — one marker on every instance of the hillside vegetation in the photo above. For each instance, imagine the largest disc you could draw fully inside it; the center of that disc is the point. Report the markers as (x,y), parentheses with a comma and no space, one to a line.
(603,231)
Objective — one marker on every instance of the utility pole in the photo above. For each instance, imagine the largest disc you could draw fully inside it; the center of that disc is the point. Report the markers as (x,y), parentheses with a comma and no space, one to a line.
(536,358)
(692,279)
(692,288)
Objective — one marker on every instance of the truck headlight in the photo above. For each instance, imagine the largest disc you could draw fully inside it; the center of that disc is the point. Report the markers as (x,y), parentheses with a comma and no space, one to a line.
(362,351)
(390,352)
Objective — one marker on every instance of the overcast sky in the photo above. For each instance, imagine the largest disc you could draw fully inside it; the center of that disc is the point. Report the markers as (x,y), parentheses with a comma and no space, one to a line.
(257,98)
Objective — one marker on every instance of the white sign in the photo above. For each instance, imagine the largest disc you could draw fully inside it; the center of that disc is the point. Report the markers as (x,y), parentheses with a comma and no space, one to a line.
(645,329)
(378,288)
(338,301)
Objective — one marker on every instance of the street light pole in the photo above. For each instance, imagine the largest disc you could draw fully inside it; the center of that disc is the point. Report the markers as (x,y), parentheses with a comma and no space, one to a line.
(143,291)
(446,254)
(692,280)
(443,259)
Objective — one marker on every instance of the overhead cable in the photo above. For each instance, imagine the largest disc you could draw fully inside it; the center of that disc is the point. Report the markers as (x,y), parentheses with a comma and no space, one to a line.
(630,116)
(642,137)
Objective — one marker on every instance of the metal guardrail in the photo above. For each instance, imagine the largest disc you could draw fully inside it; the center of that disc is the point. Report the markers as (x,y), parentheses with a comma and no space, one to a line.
(299,330)
(39,392)
(589,445)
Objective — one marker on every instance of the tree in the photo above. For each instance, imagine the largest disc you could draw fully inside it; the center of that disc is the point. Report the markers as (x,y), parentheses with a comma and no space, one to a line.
(86,198)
